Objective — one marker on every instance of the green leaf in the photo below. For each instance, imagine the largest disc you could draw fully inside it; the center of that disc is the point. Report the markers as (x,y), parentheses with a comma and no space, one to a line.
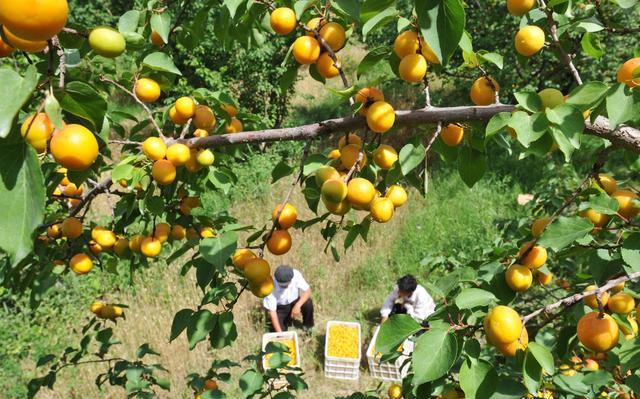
(564,231)
(372,58)
(217,250)
(478,379)
(53,110)
(442,23)
(144,350)
(394,331)
(288,78)
(83,101)
(250,383)
(161,62)
(161,24)
(434,353)
(473,297)
(494,58)
(543,356)
(630,251)
(180,322)
(232,6)
(587,95)
(410,156)
(528,128)
(378,21)
(281,170)
(124,171)
(200,325)
(471,165)
(313,163)
(497,123)
(371,8)
(601,203)
(347,7)
(591,45)
(620,106)
(224,333)
(531,372)
(14,93)
(128,22)
(528,100)
(301,6)
(22,198)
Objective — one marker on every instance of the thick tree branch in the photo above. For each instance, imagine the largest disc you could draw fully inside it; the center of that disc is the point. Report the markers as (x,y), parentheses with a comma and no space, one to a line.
(624,136)
(570,300)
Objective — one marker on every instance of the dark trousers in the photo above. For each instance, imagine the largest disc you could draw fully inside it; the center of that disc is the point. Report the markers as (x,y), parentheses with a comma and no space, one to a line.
(284,314)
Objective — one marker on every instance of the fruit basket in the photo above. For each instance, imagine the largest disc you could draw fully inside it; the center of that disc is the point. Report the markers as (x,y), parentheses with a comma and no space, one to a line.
(288,338)
(389,371)
(342,351)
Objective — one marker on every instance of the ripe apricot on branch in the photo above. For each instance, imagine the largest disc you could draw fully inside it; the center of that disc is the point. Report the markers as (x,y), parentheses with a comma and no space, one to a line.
(325,173)
(229,109)
(380,117)
(381,209)
(315,23)
(175,117)
(512,348)
(349,156)
(34,19)
(36,130)
(529,40)
(626,72)
(397,195)
(360,192)
(161,232)
(428,53)
(367,96)
(23,44)
(147,90)
(103,236)
(482,91)
(406,43)
(283,20)
(280,242)
(178,232)
(185,108)
(242,256)
(107,42)
(163,172)
(502,325)
(81,263)
(71,228)
(178,154)
(235,126)
(74,147)
(535,257)
(150,247)
(591,300)
(288,216)
(5,49)
(262,288)
(520,7)
(607,182)
(538,226)
(551,97)
(334,190)
(385,156)
(625,199)
(598,219)
(621,303)
(256,270)
(333,33)
(598,332)
(519,278)
(204,118)
(306,50)
(413,68)
(154,148)
(337,208)
(452,134)
(205,157)
(326,67)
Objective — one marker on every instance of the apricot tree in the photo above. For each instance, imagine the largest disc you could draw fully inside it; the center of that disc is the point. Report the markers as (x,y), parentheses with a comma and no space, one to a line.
(63,145)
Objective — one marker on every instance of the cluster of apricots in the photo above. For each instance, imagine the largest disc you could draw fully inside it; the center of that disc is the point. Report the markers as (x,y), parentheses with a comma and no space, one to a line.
(68,191)
(625,198)
(414,53)
(504,330)
(104,310)
(519,276)
(340,192)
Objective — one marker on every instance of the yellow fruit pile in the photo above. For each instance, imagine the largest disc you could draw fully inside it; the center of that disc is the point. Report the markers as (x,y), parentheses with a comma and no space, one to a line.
(291,346)
(503,328)
(343,342)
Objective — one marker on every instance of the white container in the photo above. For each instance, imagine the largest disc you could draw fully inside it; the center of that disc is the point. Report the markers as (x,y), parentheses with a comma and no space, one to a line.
(389,371)
(342,368)
(277,337)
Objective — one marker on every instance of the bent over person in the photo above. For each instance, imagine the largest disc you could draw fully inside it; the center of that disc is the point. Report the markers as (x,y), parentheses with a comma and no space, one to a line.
(408,297)
(290,298)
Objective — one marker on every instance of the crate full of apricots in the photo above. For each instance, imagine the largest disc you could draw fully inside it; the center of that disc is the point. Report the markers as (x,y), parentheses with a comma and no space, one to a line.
(286,338)
(342,350)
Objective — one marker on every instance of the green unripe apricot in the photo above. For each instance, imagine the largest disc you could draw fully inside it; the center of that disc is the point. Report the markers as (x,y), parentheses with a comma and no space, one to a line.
(107,42)
(551,98)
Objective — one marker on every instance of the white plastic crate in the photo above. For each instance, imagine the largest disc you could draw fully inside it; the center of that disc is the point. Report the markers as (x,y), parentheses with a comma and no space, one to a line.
(277,337)
(342,368)
(388,371)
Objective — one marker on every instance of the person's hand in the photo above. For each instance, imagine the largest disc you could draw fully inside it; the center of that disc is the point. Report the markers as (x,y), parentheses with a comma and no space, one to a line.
(296,311)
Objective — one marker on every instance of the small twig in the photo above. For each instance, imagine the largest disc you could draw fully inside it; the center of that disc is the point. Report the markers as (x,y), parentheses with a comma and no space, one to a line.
(62,66)
(356,165)
(432,140)
(75,32)
(124,142)
(142,104)
(555,40)
(185,129)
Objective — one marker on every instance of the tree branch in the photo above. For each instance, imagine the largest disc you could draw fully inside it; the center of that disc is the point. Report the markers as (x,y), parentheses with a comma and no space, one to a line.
(570,300)
(555,40)
(624,136)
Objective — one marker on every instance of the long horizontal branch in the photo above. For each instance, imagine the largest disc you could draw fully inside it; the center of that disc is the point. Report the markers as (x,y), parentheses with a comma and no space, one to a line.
(625,136)
(570,300)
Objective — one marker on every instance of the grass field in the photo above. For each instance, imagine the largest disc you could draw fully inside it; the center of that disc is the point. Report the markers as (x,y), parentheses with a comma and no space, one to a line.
(451,219)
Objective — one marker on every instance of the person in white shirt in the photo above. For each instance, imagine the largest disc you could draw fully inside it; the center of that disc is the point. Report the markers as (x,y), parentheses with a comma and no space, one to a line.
(290,298)
(408,297)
